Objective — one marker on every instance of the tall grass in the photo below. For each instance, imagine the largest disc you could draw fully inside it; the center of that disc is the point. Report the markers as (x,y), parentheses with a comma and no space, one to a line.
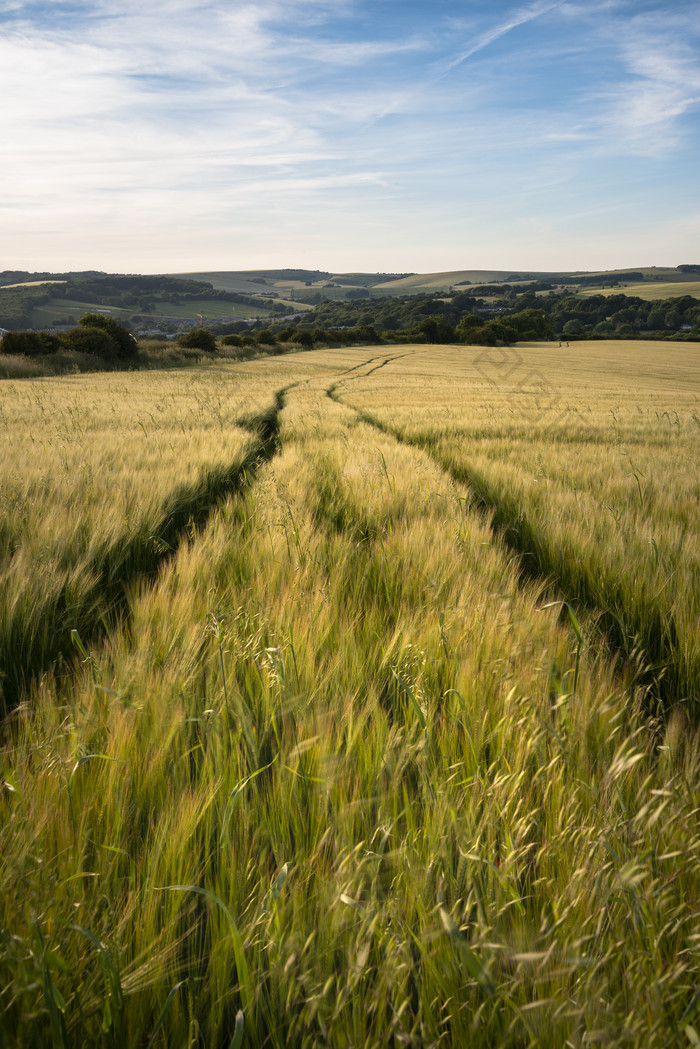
(335,786)
(599,495)
(102,479)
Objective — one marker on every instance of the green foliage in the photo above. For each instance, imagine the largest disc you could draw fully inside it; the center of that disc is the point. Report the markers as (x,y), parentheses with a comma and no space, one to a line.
(265,337)
(29,343)
(303,337)
(198,339)
(322,336)
(507,312)
(124,342)
(467,326)
(16,304)
(517,316)
(91,339)
(573,329)
(435,329)
(285,334)
(532,324)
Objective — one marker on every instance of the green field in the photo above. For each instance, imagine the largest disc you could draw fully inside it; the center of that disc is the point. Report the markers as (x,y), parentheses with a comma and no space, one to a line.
(352,698)
(268,283)
(45,315)
(209,309)
(422,282)
(251,284)
(224,280)
(61,309)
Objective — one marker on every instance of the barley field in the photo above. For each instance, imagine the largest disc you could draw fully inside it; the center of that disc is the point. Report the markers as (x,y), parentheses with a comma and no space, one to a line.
(650,291)
(351,699)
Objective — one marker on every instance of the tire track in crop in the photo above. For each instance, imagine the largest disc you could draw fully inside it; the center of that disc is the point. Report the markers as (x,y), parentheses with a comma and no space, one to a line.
(645,637)
(347,377)
(32,645)
(363,364)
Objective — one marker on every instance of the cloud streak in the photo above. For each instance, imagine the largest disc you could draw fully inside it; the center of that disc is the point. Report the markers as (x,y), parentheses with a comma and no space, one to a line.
(284,116)
(519,17)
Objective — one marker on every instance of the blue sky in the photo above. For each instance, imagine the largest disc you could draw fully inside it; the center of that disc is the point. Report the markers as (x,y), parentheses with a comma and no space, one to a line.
(390,135)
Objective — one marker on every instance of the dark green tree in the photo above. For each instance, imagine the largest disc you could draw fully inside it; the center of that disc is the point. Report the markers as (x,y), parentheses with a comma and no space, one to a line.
(29,343)
(126,348)
(304,338)
(92,340)
(436,329)
(573,329)
(265,337)
(198,339)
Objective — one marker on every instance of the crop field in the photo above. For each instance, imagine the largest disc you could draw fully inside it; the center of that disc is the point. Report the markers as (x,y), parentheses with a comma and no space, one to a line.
(650,291)
(440,281)
(33,283)
(351,699)
(224,280)
(261,285)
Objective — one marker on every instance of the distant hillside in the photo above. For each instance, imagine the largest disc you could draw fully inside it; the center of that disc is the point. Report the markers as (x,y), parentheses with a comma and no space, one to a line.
(445,280)
(651,290)
(314,286)
(231,297)
(140,300)
(297,287)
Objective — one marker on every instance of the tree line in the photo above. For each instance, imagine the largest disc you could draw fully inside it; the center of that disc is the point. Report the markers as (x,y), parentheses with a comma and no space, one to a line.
(467,317)
(432,319)
(95,335)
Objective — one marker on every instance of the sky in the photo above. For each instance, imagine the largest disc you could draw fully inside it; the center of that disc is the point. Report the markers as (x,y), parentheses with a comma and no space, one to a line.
(386,136)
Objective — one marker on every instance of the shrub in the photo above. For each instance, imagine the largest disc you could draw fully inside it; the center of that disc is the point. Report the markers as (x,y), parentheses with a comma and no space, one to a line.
(29,343)
(467,326)
(322,335)
(125,346)
(198,339)
(366,333)
(304,338)
(573,328)
(285,334)
(484,336)
(504,332)
(88,339)
(436,329)
(231,340)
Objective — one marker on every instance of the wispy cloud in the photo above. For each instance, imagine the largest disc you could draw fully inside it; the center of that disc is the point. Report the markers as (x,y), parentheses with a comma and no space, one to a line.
(663,84)
(322,116)
(520,16)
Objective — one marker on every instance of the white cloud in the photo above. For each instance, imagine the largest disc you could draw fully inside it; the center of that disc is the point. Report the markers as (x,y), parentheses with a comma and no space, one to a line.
(666,85)
(653,81)
(519,17)
(240,114)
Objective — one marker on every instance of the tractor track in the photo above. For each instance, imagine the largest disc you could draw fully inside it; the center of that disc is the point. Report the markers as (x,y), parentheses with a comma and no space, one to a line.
(645,643)
(29,650)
